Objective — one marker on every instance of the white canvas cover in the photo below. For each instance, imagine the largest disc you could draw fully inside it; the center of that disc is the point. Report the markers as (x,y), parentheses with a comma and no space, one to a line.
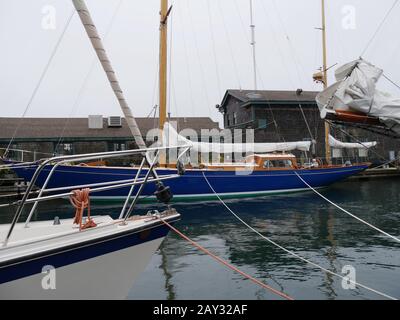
(355,90)
(345,145)
(172,138)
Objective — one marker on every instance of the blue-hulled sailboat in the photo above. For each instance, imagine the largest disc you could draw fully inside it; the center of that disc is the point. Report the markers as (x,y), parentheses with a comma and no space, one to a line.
(267,172)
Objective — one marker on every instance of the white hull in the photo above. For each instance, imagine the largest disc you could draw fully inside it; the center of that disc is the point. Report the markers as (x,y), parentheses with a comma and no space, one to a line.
(109,276)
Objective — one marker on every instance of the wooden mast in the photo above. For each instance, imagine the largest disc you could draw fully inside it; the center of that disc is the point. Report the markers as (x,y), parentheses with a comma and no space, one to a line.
(163,63)
(325,82)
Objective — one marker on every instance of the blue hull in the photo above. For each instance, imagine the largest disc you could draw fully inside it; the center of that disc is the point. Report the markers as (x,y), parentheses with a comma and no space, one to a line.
(192,185)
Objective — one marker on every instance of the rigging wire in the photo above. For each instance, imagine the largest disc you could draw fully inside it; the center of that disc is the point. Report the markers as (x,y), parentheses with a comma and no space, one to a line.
(188,71)
(202,73)
(380,27)
(347,212)
(228,39)
(391,81)
(42,76)
(293,253)
(225,263)
(277,129)
(83,87)
(296,63)
(210,23)
(357,140)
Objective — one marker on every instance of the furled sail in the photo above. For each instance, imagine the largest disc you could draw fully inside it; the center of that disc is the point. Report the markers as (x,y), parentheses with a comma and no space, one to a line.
(346,145)
(172,138)
(355,91)
(97,44)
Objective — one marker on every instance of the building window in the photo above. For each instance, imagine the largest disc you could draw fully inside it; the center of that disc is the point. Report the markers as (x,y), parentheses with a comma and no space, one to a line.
(64,148)
(67,146)
(363,153)
(228,123)
(234,118)
(262,123)
(336,153)
(118,146)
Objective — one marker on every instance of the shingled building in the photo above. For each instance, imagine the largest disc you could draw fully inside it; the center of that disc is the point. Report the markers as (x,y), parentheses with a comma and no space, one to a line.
(82,135)
(278,116)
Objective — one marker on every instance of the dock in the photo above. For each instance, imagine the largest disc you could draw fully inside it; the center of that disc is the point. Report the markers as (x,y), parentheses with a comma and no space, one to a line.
(377,174)
(12,187)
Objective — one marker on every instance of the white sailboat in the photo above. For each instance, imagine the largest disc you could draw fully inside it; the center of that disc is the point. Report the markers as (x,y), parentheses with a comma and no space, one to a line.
(85,258)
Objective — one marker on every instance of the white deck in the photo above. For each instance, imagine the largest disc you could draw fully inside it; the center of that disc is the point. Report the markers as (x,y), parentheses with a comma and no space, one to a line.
(43,235)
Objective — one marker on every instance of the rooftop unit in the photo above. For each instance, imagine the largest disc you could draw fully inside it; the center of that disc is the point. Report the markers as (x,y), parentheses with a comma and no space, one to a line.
(95,122)
(114,121)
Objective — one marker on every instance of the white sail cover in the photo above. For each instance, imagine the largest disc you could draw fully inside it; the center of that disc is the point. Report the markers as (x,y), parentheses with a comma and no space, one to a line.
(172,138)
(346,145)
(355,90)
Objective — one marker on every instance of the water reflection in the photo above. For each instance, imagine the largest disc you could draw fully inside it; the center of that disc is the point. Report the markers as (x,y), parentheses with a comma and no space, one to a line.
(303,223)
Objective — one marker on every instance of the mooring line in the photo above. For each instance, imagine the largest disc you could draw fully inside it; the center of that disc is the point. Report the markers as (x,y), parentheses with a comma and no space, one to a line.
(227,264)
(347,212)
(295,254)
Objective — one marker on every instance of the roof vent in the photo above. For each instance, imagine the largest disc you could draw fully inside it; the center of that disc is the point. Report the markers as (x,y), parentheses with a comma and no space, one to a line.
(299,92)
(95,122)
(114,121)
(253,95)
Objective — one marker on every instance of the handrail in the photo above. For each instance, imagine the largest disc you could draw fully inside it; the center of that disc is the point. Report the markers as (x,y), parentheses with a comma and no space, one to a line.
(83,157)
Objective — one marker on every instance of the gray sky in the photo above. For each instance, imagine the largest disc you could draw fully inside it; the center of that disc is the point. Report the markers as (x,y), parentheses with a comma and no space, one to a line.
(288,51)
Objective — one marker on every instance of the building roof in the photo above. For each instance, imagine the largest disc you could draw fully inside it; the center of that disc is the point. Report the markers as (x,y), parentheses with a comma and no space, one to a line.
(270,96)
(45,128)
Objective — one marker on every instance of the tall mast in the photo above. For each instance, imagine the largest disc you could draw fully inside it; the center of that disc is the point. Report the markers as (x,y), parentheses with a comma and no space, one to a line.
(163,63)
(253,44)
(325,81)
(97,44)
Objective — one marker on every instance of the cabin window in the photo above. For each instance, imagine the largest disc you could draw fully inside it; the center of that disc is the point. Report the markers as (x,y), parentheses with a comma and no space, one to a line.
(278,163)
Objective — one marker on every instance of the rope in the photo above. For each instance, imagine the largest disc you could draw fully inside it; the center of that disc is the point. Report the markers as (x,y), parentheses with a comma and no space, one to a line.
(292,253)
(36,89)
(80,199)
(380,26)
(347,212)
(227,264)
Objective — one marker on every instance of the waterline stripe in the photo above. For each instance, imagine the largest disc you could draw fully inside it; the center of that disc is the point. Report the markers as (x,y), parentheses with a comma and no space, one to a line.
(295,254)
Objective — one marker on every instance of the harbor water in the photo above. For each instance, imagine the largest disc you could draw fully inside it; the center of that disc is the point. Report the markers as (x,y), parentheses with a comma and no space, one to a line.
(303,223)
